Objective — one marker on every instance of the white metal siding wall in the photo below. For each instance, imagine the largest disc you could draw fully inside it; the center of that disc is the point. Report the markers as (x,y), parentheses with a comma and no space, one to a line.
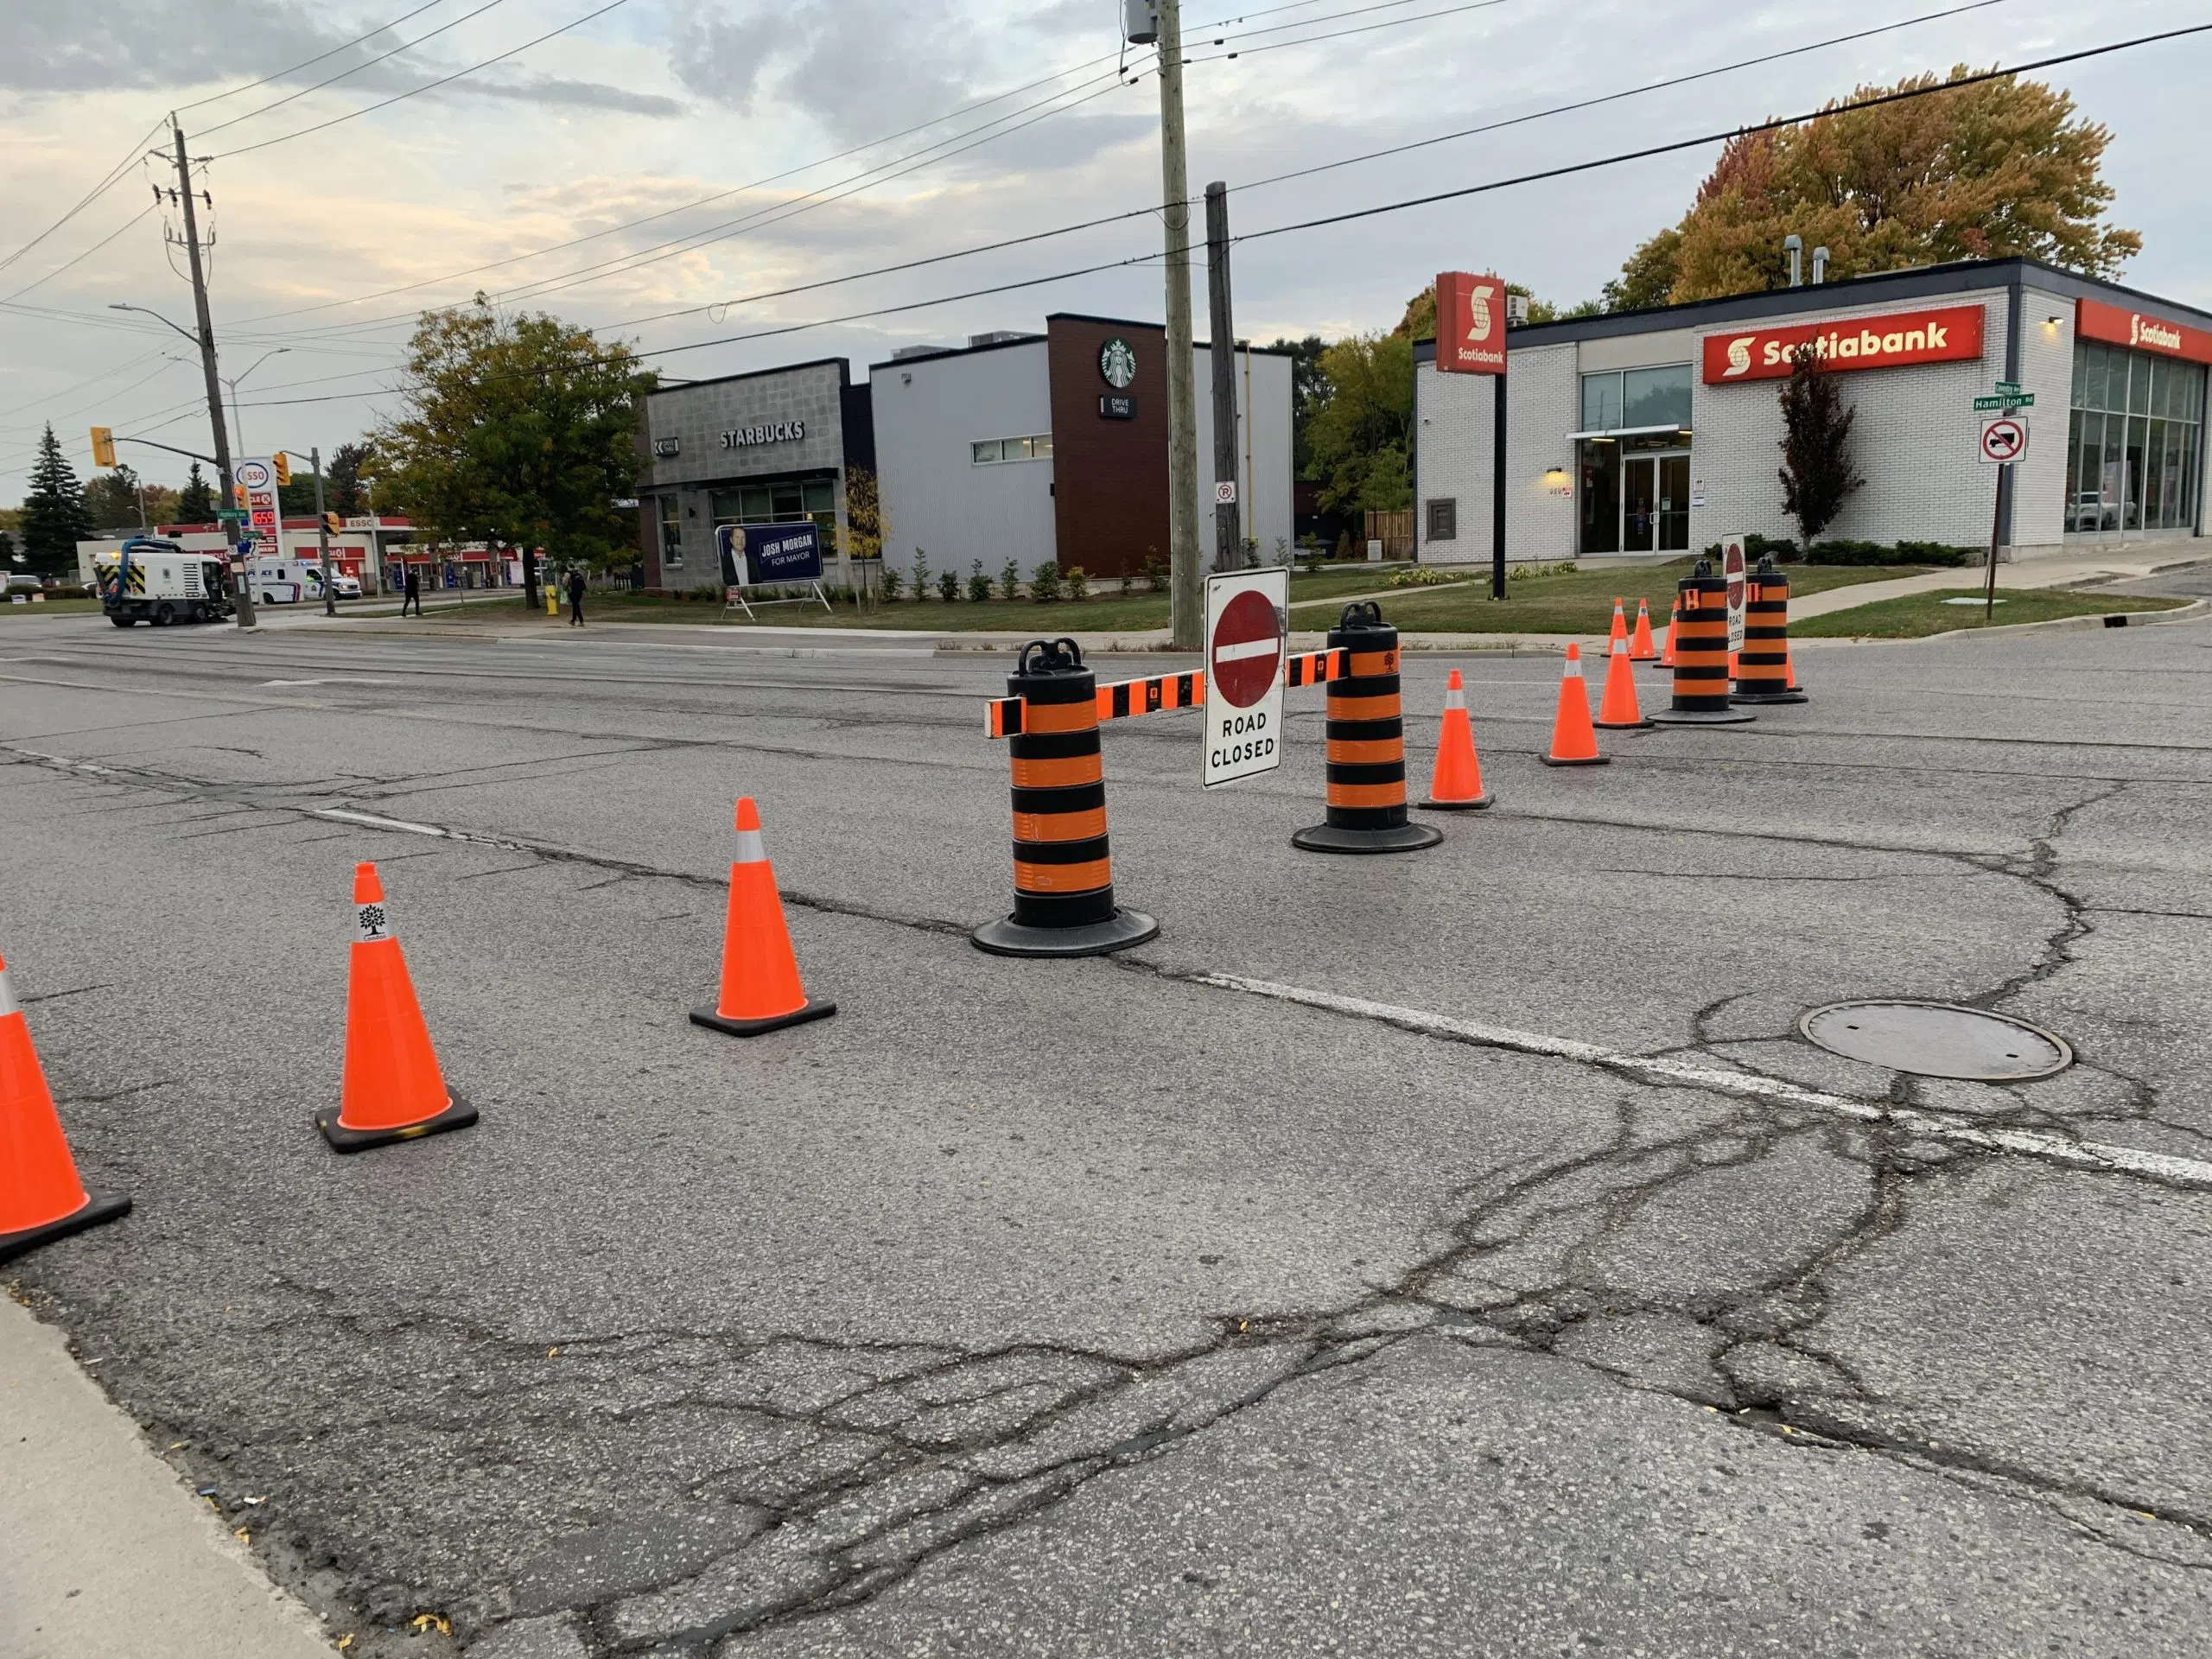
(1913,440)
(1267,517)
(938,498)
(1455,444)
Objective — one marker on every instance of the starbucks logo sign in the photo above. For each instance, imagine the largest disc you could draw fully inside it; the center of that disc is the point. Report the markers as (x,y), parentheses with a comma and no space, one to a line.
(1117,363)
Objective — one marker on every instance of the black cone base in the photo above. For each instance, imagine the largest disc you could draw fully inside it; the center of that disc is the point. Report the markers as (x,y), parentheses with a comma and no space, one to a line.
(97,1207)
(714,1021)
(458,1115)
(1768,696)
(1622,725)
(1007,937)
(1475,805)
(1585,760)
(1701,717)
(1398,838)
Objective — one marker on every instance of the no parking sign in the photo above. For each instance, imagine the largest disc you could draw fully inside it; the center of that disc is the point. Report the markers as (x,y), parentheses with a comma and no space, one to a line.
(1248,614)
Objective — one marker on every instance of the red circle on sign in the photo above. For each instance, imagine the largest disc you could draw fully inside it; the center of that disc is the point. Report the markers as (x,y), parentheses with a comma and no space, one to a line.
(1243,672)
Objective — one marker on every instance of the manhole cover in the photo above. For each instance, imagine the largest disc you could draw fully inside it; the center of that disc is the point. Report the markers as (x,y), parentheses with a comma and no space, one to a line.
(1937,1040)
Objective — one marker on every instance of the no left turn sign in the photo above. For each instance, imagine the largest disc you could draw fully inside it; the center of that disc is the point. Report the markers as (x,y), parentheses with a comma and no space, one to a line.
(1247,614)
(2004,439)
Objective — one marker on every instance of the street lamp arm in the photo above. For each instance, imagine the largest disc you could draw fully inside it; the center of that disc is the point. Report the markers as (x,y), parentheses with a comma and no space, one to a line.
(191,454)
(157,317)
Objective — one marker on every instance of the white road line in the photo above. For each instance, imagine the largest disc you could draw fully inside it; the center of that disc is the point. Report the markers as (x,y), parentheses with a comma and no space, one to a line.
(375,823)
(2031,1143)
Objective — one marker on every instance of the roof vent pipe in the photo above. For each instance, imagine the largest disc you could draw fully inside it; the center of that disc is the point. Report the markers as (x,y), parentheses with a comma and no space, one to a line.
(1796,245)
(1820,266)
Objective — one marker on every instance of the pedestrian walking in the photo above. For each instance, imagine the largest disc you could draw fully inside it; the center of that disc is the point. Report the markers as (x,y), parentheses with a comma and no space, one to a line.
(410,591)
(575,598)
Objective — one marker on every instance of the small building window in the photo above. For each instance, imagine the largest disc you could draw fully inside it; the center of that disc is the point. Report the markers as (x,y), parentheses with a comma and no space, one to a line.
(986,452)
(1444,520)
(671,533)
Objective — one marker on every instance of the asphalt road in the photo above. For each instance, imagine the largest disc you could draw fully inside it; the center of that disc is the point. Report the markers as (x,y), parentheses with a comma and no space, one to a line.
(1456,1253)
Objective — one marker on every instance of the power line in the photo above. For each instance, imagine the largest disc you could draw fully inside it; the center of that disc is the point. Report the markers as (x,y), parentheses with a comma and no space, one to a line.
(429,86)
(1768,125)
(88,252)
(367,63)
(108,181)
(216,97)
(1338,34)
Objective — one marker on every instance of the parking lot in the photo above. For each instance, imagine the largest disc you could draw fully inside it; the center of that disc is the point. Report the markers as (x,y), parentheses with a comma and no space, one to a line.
(1457,1252)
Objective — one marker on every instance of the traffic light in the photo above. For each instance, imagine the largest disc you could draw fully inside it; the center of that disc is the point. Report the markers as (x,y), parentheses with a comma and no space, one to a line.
(330,522)
(103,446)
(283,469)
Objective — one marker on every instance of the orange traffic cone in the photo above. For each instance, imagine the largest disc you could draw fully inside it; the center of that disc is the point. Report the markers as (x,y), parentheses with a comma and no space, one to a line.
(1790,666)
(41,1196)
(1456,785)
(760,988)
(1732,667)
(1617,710)
(1666,657)
(1574,742)
(1640,648)
(393,1089)
(1618,639)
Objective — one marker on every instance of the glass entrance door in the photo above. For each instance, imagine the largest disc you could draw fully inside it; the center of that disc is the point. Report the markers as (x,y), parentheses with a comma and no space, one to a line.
(1674,503)
(1655,503)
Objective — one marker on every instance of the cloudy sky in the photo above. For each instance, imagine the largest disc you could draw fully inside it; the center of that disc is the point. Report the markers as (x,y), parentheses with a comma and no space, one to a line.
(652,168)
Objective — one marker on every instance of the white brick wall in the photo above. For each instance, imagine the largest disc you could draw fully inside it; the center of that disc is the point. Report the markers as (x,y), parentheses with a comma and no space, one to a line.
(2047,370)
(1914,442)
(1454,446)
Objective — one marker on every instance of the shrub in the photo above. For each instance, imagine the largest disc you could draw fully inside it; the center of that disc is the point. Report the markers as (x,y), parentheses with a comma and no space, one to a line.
(1874,553)
(1010,582)
(1421,575)
(1078,583)
(1128,582)
(892,581)
(921,575)
(1045,583)
(1939,553)
(948,588)
(1156,572)
(979,585)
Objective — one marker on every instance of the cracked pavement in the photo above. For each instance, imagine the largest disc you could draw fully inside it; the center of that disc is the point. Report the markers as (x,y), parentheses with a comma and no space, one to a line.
(1530,1287)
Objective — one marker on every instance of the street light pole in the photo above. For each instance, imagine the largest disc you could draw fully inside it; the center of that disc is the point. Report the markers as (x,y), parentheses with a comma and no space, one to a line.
(238,421)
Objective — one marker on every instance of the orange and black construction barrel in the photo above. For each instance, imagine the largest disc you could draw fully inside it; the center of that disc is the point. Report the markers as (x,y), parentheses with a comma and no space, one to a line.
(1366,747)
(1763,665)
(1063,875)
(1700,643)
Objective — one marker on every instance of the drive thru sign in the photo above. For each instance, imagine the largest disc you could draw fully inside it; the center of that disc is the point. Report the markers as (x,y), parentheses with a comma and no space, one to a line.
(1247,617)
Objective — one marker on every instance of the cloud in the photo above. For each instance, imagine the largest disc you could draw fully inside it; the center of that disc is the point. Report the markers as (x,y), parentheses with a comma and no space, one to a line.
(860,68)
(579,94)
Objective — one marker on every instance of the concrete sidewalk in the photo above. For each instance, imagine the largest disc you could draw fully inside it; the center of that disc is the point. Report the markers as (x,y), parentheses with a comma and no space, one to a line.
(107,1555)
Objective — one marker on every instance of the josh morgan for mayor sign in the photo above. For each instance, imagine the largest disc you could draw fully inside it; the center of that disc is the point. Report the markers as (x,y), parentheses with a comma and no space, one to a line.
(773,553)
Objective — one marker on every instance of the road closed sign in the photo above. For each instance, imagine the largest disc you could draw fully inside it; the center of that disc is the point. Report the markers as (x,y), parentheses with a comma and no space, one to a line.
(1733,570)
(2004,439)
(1247,615)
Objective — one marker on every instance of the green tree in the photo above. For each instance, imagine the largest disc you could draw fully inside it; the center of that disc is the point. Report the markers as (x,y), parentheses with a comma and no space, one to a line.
(343,476)
(1817,472)
(519,428)
(195,504)
(7,548)
(1309,390)
(54,520)
(1649,277)
(1998,169)
(1360,435)
(111,498)
(296,498)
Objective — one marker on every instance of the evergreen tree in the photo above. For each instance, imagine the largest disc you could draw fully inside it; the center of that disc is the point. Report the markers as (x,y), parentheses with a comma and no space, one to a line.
(197,505)
(54,520)
(1816,471)
(343,476)
(7,548)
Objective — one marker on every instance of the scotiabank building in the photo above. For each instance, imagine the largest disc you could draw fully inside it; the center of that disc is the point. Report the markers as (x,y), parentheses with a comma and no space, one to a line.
(1657,432)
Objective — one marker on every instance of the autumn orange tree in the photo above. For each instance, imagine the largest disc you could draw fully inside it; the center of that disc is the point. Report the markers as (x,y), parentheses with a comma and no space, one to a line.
(1999,167)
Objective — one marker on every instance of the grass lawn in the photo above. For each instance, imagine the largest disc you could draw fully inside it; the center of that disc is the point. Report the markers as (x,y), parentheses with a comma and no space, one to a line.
(50,607)
(1106,612)
(1922,615)
(1583,602)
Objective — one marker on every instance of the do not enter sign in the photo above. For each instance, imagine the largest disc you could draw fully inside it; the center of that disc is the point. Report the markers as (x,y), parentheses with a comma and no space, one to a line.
(1247,613)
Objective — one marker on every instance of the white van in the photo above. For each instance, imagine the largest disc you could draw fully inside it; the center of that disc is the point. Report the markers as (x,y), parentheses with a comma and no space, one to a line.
(280,581)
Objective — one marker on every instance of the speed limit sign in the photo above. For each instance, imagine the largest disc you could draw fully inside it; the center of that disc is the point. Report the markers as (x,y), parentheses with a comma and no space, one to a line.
(2004,439)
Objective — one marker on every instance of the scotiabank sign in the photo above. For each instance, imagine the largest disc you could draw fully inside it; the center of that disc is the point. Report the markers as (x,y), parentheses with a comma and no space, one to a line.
(1470,324)
(2094,320)
(1894,340)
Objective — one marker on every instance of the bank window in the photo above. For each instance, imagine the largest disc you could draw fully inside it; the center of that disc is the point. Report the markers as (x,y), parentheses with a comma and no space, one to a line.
(1628,398)
(1444,520)
(986,452)
(2134,454)
(671,533)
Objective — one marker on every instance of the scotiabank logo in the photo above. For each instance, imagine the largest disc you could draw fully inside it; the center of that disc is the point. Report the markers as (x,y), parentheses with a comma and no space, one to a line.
(1896,339)
(2149,331)
(1469,312)
(1478,302)
(2094,320)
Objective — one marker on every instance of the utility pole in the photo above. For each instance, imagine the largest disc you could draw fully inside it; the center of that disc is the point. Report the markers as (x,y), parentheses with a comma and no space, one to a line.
(322,536)
(1228,539)
(245,594)
(1187,607)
